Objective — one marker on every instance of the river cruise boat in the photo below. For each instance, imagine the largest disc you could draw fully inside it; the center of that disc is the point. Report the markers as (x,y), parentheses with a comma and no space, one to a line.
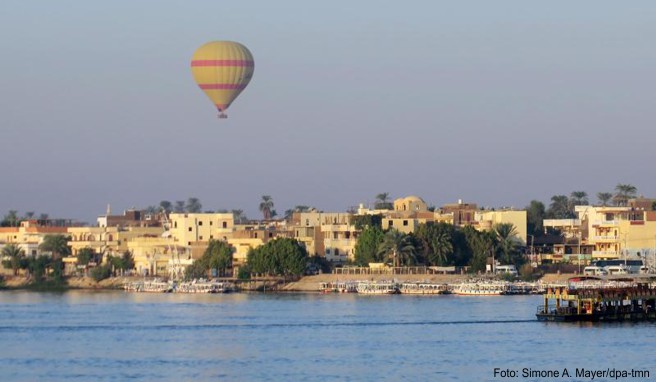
(594,299)
(423,288)
(380,287)
(149,286)
(202,286)
(339,287)
(481,289)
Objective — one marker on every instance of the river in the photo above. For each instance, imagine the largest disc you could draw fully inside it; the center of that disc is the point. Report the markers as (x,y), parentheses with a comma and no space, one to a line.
(118,336)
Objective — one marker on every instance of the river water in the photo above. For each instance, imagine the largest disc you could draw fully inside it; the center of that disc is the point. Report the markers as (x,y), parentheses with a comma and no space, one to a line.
(118,336)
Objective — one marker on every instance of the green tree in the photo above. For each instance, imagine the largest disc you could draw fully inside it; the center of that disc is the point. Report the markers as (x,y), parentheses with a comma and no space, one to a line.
(604,198)
(239,216)
(362,221)
(85,255)
(482,245)
(398,247)
(506,240)
(624,192)
(436,242)
(382,202)
(57,245)
(11,219)
(266,207)
(366,248)
(578,198)
(219,254)
(559,208)
(279,257)
(14,258)
(535,214)
(300,208)
(179,206)
(166,206)
(193,205)
(101,272)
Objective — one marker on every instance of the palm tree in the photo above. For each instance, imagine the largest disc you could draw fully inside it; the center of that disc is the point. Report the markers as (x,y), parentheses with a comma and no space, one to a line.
(398,247)
(11,219)
(266,207)
(442,248)
(29,214)
(559,207)
(578,198)
(238,216)
(623,193)
(166,206)
(14,257)
(506,236)
(179,206)
(604,198)
(56,244)
(382,203)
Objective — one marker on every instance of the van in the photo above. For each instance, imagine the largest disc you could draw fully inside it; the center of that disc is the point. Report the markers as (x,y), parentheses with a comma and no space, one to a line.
(616,270)
(594,271)
(506,269)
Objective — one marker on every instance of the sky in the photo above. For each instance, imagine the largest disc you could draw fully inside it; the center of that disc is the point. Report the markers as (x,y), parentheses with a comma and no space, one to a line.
(491,102)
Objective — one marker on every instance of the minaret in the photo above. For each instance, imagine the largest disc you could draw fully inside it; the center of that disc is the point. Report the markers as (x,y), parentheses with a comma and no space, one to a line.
(109,210)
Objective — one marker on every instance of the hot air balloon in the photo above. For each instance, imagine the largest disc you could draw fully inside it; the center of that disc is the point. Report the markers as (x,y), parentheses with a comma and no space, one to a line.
(222,69)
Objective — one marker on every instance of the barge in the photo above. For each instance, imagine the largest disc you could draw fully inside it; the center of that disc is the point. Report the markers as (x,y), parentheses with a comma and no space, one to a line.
(598,300)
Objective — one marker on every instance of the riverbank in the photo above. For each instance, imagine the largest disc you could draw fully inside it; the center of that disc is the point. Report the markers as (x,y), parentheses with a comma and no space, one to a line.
(305,284)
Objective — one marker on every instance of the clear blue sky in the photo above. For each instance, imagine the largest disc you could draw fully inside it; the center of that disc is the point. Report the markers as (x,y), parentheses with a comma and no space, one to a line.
(493,102)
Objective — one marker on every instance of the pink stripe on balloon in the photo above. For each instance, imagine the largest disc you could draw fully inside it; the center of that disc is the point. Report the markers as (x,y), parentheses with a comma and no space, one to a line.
(222,63)
(221,86)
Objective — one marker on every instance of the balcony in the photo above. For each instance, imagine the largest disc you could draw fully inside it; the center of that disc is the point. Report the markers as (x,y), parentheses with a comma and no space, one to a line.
(606,254)
(606,238)
(606,223)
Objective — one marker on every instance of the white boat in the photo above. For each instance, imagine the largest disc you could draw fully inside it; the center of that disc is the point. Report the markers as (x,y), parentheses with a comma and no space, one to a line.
(481,289)
(339,287)
(202,286)
(373,287)
(423,288)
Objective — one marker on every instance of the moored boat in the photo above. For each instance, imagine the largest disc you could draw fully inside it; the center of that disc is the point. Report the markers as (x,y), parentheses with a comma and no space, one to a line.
(481,289)
(423,288)
(381,287)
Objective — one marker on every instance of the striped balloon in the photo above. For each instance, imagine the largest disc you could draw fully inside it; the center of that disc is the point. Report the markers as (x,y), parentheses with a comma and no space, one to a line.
(222,69)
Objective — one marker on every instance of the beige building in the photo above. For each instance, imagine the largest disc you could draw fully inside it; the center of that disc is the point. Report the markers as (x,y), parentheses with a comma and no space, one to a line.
(28,236)
(201,227)
(410,204)
(486,220)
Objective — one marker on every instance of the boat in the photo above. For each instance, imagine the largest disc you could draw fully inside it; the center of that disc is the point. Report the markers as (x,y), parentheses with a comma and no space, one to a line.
(339,287)
(374,287)
(481,288)
(423,288)
(203,286)
(594,299)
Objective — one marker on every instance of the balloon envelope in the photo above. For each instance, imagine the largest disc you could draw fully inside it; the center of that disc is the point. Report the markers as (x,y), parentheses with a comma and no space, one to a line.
(222,69)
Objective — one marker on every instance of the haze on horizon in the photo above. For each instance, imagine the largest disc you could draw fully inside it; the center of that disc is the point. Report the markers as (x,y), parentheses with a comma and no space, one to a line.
(495,103)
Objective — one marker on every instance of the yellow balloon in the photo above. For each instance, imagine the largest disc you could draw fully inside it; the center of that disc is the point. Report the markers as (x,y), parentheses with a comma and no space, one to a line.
(222,69)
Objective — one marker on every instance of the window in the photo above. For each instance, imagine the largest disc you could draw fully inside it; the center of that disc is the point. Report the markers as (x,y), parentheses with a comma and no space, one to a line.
(211,222)
(189,229)
(255,235)
(200,223)
(327,251)
(336,252)
(175,225)
(335,235)
(200,238)
(405,223)
(391,224)
(211,237)
(225,224)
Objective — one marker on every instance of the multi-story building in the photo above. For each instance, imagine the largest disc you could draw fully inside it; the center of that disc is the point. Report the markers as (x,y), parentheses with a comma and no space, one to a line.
(28,236)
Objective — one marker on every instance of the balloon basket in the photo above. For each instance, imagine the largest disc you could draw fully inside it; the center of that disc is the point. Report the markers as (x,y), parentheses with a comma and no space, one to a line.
(223,116)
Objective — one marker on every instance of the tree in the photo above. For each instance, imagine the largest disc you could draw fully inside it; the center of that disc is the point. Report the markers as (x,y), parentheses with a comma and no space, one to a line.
(366,248)
(362,221)
(300,208)
(279,257)
(85,255)
(219,254)
(559,208)
(166,206)
(506,240)
(57,245)
(535,214)
(11,219)
(482,245)
(29,215)
(179,206)
(398,247)
(578,198)
(604,198)
(43,219)
(624,192)
(436,242)
(193,205)
(239,216)
(266,207)
(382,203)
(14,258)
(152,210)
